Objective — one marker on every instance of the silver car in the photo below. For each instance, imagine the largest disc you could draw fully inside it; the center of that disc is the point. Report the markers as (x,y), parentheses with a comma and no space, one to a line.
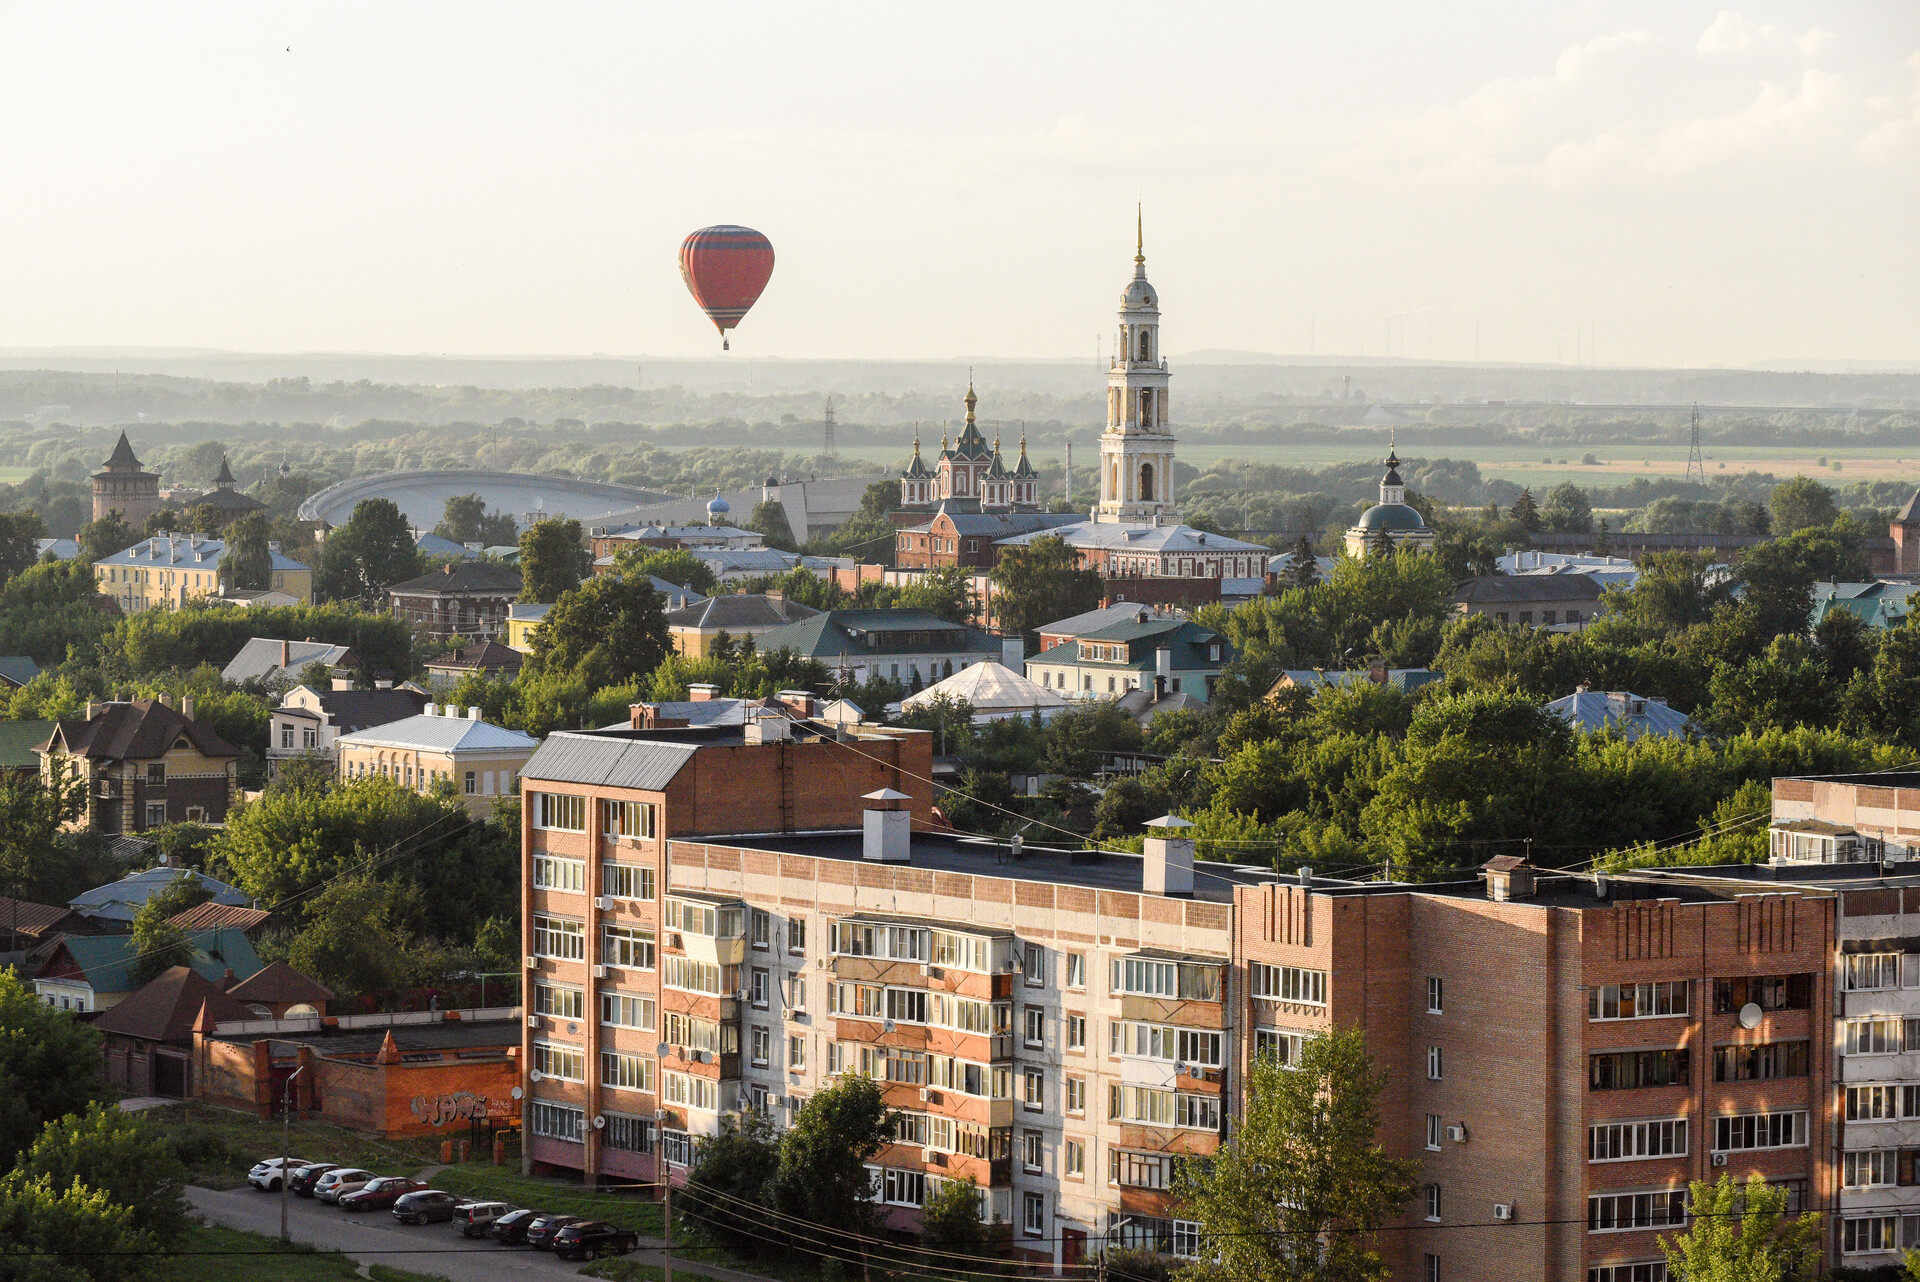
(472,1218)
(336,1184)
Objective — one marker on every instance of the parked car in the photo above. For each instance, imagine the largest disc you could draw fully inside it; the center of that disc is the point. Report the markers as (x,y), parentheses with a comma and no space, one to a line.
(540,1233)
(340,1181)
(473,1219)
(586,1238)
(511,1229)
(424,1205)
(378,1195)
(301,1182)
(265,1175)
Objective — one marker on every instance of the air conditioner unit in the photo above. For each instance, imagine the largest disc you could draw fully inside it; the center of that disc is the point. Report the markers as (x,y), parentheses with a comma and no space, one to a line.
(776,1101)
(599,972)
(924,968)
(824,963)
(1458,1134)
(604,903)
(533,963)
(923,1094)
(533,1021)
(1719,1159)
(1503,1210)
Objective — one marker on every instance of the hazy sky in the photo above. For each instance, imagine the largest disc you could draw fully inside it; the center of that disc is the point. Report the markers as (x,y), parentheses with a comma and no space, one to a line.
(1687,183)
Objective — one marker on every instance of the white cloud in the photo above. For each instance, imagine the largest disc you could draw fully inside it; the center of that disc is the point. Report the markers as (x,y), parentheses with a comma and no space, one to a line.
(1896,140)
(1731,33)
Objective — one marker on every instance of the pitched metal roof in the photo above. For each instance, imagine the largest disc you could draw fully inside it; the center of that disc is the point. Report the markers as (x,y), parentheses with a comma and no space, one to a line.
(214,915)
(1525,588)
(18,739)
(105,962)
(1081,624)
(119,900)
(352,711)
(29,918)
(1632,716)
(18,668)
(462,576)
(648,765)
(837,634)
(188,549)
(740,610)
(488,656)
(1162,540)
(440,734)
(260,658)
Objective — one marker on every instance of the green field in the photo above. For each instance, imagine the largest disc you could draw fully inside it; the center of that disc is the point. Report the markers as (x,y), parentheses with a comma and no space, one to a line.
(14,475)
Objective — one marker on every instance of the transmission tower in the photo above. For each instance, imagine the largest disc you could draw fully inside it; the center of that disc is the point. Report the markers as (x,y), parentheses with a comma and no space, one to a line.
(826,431)
(1696,468)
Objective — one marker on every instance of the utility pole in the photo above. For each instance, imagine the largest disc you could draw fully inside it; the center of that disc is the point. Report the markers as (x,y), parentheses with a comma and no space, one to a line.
(1696,466)
(1069,473)
(286,1145)
(827,431)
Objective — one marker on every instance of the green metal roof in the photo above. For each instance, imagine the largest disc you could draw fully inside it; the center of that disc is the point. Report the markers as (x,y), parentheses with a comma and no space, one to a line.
(18,739)
(107,960)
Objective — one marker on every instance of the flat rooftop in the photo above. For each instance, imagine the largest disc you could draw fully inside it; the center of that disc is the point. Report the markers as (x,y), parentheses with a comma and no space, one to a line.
(1881,779)
(448,1037)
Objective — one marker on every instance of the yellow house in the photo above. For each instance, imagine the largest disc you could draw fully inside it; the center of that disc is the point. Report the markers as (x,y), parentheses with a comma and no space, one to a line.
(169,570)
(481,760)
(522,622)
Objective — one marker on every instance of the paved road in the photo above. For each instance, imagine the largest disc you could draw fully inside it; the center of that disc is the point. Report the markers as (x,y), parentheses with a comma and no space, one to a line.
(373,1237)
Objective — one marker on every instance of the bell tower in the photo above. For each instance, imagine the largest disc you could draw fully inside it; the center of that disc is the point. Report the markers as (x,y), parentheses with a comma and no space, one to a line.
(1136,450)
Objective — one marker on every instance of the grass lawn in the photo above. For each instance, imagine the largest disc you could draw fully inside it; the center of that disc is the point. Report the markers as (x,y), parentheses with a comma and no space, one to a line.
(220,1145)
(629,1210)
(228,1255)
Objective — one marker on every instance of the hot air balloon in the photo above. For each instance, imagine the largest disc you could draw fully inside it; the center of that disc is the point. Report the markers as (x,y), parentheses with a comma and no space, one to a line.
(725,269)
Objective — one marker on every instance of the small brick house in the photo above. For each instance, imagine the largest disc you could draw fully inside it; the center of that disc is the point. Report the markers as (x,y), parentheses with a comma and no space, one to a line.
(144,765)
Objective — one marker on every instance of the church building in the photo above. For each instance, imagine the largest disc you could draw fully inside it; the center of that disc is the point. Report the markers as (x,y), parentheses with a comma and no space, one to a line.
(970,476)
(1391,524)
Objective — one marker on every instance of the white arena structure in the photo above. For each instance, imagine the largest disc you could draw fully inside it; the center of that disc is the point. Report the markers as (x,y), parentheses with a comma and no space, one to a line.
(422,496)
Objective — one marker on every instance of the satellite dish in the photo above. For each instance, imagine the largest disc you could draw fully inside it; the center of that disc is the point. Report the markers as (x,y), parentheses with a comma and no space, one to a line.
(1750,1015)
(535,1075)
(518,1093)
(599,1121)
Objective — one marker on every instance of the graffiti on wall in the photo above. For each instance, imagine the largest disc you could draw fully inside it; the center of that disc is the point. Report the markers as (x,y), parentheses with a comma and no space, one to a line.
(462,1106)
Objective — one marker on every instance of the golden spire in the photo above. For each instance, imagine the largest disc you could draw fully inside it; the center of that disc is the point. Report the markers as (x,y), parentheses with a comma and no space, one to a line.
(972,400)
(1139,237)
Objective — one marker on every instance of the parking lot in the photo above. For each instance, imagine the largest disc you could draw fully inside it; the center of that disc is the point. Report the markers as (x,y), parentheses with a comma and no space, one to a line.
(372,1237)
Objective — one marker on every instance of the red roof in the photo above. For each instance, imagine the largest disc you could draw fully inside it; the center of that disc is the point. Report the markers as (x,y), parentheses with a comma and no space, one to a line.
(165,1010)
(278,982)
(212,916)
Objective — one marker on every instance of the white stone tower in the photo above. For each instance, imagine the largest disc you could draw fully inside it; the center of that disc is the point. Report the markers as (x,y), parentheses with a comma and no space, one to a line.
(1136,450)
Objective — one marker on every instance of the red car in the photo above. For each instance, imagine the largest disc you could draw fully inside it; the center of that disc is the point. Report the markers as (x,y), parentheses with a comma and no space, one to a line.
(381,1194)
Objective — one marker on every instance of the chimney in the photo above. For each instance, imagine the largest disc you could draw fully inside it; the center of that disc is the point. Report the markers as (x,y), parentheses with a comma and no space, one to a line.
(1377,671)
(702,692)
(777,598)
(1306,876)
(646,716)
(186,706)
(1168,868)
(431,710)
(887,825)
(473,713)
(1013,652)
(1163,664)
(1508,877)
(93,709)
(768,728)
(342,683)
(286,654)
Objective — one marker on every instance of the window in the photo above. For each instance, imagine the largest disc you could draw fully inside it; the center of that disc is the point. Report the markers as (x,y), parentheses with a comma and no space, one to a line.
(1434,995)
(626,881)
(1283,1044)
(627,946)
(1758,1063)
(1431,1267)
(1139,1170)
(156,813)
(628,1134)
(677,1148)
(286,737)
(556,937)
(627,1072)
(1640,1271)
(1036,1027)
(761,1042)
(695,976)
(627,818)
(697,1034)
(1875,1036)
(556,810)
(962,951)
(1875,1168)
(1620,1212)
(688,1091)
(1032,1151)
(1073,1160)
(1768,992)
(1290,984)
(556,1122)
(564,1062)
(796,934)
(1435,1064)
(624,1010)
(1868,1234)
(1881,1103)
(1637,1001)
(473,786)
(1034,1089)
(760,927)
(559,874)
(558,1001)
(1076,970)
(1630,1070)
(796,1052)
(796,984)
(1630,1141)
(760,987)
(1077,1095)
(1033,964)
(1033,1214)
(903,1188)
(156,774)
(1433,1202)
(1433,1131)
(1076,1032)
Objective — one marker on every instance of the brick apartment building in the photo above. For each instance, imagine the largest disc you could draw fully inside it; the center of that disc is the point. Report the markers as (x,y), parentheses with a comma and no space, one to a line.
(1563,1054)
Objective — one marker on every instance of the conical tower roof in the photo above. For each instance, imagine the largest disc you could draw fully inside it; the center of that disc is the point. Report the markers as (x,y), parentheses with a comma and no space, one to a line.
(999,469)
(225,479)
(917,468)
(122,458)
(1024,470)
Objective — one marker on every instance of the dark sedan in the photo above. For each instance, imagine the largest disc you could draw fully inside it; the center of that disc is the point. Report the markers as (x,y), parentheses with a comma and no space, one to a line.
(424,1206)
(593,1237)
(511,1228)
(541,1232)
(301,1182)
(380,1194)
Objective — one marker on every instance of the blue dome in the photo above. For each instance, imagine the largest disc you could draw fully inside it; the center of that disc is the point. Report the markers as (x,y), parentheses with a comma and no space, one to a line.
(717,505)
(1391,516)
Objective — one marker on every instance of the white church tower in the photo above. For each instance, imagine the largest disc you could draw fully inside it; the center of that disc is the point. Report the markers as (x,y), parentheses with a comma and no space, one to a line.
(1136,450)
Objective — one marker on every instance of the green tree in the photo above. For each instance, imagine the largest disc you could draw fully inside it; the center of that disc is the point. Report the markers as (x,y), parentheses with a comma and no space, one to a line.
(1304,572)
(466,520)
(161,945)
(612,629)
(1525,513)
(1296,1191)
(71,1234)
(49,1065)
(35,862)
(248,562)
(947,592)
(822,1173)
(369,554)
(1567,509)
(1800,503)
(950,1221)
(1039,583)
(357,935)
(204,518)
(104,537)
(1675,590)
(166,520)
(1741,1233)
(673,565)
(769,520)
(123,1155)
(552,560)
(734,1167)
(18,530)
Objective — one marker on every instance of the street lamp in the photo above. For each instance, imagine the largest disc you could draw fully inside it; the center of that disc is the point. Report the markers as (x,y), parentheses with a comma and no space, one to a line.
(286,1144)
